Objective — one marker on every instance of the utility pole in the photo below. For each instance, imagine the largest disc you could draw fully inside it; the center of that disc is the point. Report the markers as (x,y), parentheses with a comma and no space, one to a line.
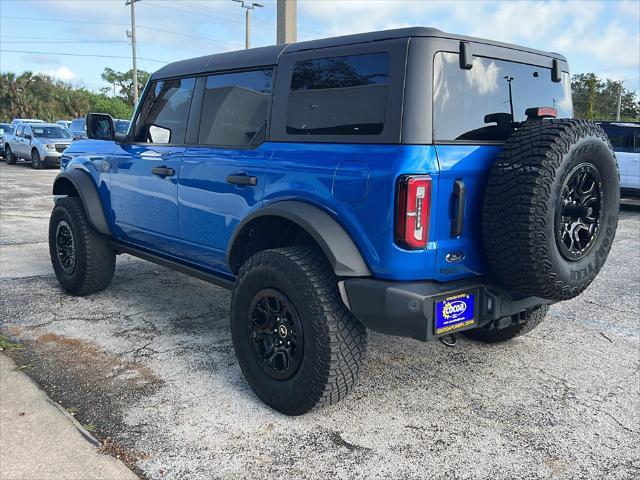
(287,21)
(248,6)
(133,49)
(619,102)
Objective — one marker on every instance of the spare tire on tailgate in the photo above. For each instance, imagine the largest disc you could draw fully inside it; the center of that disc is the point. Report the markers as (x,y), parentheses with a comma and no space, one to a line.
(551,208)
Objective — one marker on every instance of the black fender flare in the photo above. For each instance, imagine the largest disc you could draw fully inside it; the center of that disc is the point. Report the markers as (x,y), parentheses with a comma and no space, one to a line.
(88,193)
(335,242)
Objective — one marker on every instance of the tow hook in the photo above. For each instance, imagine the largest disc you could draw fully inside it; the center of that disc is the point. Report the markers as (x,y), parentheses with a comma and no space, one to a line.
(450,340)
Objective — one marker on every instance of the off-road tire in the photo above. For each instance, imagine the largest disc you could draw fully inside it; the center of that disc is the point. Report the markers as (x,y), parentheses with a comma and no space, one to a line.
(36,161)
(523,196)
(334,341)
(9,155)
(493,334)
(94,259)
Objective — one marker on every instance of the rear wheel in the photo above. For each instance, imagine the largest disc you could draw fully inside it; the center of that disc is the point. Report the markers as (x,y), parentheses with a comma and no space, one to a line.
(36,161)
(515,326)
(297,344)
(11,158)
(82,258)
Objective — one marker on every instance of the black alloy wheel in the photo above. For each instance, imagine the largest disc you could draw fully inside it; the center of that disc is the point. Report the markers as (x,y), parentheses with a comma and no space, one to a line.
(276,333)
(578,215)
(65,246)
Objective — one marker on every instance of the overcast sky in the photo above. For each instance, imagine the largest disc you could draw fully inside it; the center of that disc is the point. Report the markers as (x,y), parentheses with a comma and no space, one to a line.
(596,36)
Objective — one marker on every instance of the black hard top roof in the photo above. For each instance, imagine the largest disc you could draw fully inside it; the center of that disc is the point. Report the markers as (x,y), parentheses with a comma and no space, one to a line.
(264,56)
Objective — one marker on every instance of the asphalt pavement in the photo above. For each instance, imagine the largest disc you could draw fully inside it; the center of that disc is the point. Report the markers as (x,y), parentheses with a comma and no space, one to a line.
(149,363)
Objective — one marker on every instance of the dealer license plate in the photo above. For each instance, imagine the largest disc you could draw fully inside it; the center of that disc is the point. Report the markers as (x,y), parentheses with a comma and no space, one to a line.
(454,313)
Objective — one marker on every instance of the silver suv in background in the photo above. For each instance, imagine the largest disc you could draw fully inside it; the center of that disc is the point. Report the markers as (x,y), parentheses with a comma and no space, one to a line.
(18,121)
(5,130)
(78,128)
(39,143)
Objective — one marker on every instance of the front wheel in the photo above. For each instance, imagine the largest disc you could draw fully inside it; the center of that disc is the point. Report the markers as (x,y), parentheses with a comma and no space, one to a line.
(297,344)
(36,161)
(516,326)
(82,258)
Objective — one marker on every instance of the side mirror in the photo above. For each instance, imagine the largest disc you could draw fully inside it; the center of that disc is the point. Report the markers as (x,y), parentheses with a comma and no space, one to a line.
(27,136)
(100,126)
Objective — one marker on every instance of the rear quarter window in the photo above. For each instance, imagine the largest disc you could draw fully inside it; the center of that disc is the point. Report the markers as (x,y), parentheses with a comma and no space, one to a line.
(343,95)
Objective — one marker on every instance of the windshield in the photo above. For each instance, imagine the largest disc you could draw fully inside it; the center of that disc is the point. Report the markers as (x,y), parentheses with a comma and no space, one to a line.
(122,126)
(50,132)
(462,98)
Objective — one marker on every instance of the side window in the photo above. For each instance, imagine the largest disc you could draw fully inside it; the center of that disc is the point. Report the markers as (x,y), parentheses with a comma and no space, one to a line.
(339,95)
(164,112)
(26,131)
(234,109)
(636,143)
(19,131)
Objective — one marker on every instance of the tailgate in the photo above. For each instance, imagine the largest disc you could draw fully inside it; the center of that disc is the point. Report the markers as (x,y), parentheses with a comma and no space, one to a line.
(463,175)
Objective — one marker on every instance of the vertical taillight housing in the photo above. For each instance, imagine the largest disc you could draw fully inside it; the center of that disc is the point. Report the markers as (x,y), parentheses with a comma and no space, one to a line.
(413,205)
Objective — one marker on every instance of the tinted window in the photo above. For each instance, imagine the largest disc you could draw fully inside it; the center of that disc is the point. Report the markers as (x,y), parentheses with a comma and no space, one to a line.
(339,95)
(234,110)
(620,136)
(462,98)
(164,112)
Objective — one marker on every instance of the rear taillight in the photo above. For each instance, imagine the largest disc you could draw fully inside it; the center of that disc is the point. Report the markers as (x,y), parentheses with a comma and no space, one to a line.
(412,211)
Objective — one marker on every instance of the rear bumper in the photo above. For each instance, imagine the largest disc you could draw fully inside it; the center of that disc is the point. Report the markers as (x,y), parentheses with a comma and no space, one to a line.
(408,309)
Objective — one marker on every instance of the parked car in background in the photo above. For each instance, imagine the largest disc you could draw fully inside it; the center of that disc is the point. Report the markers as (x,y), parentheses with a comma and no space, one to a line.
(625,138)
(78,128)
(17,121)
(121,126)
(5,130)
(39,143)
(64,123)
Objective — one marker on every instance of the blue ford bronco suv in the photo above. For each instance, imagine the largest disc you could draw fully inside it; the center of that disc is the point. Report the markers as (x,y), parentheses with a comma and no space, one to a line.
(411,182)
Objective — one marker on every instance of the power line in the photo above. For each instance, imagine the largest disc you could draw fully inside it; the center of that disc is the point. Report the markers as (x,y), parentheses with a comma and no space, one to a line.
(78,55)
(123,25)
(65,41)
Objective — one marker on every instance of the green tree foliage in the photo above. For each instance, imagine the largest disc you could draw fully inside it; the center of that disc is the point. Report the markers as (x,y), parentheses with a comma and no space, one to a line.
(597,99)
(123,81)
(39,96)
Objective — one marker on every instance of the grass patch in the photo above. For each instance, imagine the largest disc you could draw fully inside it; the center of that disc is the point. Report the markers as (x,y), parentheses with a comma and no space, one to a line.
(28,366)
(72,411)
(90,427)
(6,344)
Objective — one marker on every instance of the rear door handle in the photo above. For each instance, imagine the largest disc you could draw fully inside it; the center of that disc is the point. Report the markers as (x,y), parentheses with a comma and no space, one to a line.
(458,205)
(238,179)
(163,171)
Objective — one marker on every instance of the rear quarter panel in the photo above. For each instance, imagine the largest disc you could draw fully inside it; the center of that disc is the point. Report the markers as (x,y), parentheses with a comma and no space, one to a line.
(355,184)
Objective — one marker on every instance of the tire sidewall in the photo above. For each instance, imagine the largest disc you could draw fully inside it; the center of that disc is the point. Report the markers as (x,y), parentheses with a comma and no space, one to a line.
(595,151)
(36,161)
(10,156)
(288,393)
(68,281)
